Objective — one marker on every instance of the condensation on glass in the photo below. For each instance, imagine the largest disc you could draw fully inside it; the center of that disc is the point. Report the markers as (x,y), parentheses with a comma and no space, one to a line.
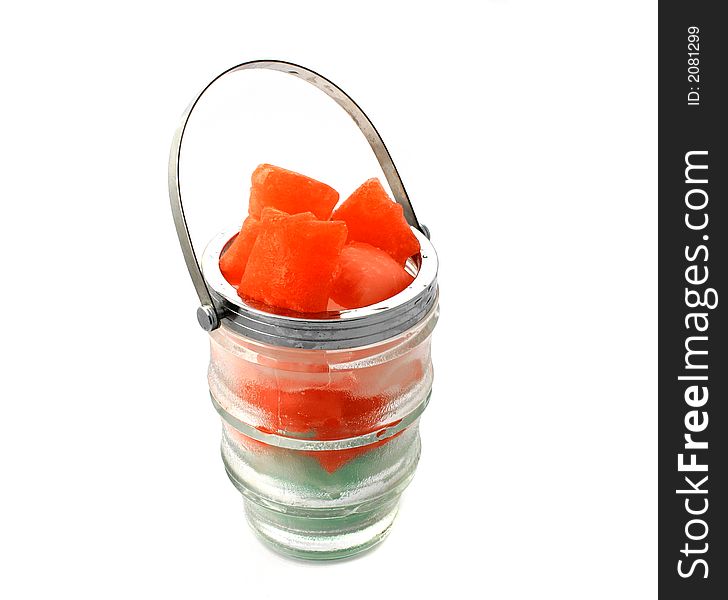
(321,443)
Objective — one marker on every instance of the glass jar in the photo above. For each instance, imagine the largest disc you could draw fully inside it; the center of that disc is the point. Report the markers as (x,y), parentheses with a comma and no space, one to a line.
(320,412)
(321,443)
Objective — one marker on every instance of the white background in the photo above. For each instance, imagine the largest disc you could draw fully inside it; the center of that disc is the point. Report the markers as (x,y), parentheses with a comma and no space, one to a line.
(526,134)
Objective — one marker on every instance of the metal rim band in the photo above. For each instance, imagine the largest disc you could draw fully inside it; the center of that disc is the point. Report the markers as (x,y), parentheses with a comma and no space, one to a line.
(351,328)
(207,314)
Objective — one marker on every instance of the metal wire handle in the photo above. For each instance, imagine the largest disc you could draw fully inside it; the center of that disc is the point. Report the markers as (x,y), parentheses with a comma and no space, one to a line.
(207,314)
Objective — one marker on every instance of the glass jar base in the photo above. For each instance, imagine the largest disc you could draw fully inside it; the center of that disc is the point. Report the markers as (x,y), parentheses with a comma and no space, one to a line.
(321,538)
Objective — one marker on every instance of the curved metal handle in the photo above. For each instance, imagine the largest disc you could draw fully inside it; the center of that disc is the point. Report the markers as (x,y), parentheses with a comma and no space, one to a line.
(207,314)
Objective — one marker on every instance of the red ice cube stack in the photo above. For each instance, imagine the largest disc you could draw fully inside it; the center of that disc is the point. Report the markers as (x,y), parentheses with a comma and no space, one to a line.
(295,252)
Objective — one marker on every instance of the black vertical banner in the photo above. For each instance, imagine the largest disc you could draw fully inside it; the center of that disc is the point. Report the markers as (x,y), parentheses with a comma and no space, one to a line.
(693,300)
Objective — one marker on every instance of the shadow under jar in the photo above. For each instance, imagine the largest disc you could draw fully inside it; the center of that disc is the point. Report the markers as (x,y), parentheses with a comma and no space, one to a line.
(321,413)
